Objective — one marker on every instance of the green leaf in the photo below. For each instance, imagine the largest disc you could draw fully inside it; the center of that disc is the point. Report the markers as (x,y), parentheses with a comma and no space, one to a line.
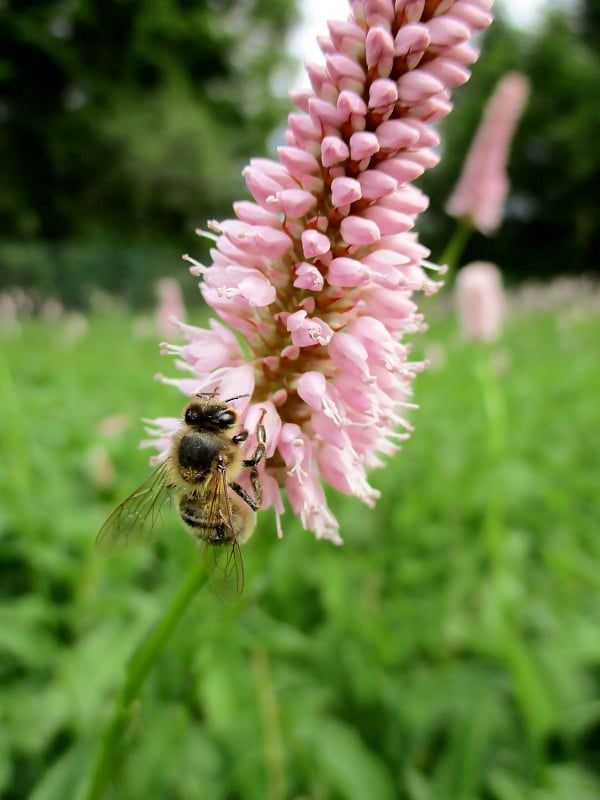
(352,768)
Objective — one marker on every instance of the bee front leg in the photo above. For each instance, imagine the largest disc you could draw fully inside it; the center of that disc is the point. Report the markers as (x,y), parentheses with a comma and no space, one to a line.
(261,446)
(253,502)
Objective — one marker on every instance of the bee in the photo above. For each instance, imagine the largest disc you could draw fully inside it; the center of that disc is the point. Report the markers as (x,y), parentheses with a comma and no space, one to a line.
(201,471)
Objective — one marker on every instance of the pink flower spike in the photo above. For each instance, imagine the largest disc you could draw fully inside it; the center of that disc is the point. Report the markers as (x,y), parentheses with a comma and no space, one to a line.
(481,190)
(315,279)
(480,300)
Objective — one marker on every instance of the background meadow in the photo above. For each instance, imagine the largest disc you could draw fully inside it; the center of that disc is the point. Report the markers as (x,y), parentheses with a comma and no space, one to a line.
(433,656)
(450,650)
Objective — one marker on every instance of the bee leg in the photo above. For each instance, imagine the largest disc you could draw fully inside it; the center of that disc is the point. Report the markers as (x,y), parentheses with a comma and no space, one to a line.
(261,446)
(253,502)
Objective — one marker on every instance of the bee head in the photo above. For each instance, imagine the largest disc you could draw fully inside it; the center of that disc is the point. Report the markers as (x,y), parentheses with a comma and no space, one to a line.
(212,415)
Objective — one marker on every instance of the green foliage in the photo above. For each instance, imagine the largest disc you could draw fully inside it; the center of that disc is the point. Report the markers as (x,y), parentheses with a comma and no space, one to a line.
(423,660)
(132,119)
(82,274)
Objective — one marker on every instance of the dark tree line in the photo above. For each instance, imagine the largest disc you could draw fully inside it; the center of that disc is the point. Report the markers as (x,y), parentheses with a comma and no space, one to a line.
(125,125)
(132,118)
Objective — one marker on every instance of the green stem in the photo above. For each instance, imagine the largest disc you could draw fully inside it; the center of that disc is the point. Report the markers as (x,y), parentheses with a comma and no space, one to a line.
(452,255)
(138,667)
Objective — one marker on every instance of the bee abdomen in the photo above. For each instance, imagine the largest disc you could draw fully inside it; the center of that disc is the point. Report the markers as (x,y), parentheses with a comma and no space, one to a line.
(215,531)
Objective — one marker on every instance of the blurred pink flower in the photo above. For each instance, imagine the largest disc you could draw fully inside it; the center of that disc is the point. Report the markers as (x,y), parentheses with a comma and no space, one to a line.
(483,185)
(480,300)
(317,273)
(170,306)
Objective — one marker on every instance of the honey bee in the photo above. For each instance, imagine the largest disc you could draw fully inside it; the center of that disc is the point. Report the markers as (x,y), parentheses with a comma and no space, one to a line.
(200,470)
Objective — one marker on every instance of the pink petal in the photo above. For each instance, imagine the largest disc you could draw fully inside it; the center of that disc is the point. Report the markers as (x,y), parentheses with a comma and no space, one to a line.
(333,151)
(296,202)
(376,184)
(345,191)
(314,244)
(382,92)
(348,353)
(307,331)
(446,31)
(341,68)
(358,230)
(379,50)
(257,290)
(350,104)
(363,145)
(387,221)
(416,86)
(271,243)
(308,277)
(324,113)
(253,214)
(297,161)
(394,134)
(347,272)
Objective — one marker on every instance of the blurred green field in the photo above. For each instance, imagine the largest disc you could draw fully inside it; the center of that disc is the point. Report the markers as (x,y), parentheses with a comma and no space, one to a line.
(449,651)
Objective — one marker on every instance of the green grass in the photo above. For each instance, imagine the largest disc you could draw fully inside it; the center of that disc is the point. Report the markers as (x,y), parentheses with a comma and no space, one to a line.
(449,651)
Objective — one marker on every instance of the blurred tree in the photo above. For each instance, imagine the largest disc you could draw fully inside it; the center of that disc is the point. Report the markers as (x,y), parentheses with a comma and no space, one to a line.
(589,23)
(554,204)
(132,119)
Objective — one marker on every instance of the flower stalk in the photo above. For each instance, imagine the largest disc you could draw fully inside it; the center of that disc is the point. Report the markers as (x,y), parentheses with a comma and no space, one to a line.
(136,671)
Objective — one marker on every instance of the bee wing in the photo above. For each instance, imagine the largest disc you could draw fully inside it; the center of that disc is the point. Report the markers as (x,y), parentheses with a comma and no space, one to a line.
(224,560)
(226,568)
(136,516)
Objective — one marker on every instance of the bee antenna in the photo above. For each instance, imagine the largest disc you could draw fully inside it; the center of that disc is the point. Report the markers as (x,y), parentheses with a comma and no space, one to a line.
(237,397)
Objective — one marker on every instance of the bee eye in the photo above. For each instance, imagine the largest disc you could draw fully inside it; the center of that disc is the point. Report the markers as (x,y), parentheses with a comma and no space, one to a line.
(192,416)
(226,419)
